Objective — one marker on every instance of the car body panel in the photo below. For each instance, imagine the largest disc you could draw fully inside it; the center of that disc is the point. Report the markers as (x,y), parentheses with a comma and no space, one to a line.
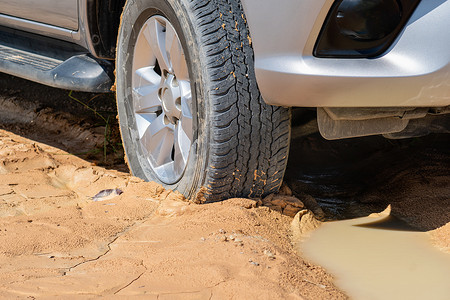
(63,13)
(79,35)
(414,71)
(37,28)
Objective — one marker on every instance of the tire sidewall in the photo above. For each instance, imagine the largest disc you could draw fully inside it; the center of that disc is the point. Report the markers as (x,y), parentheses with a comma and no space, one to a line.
(135,14)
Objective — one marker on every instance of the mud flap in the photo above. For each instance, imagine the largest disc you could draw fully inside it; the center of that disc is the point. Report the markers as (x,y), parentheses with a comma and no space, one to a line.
(332,129)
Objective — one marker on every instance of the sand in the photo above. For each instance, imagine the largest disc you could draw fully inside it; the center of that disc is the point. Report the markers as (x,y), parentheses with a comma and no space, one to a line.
(56,241)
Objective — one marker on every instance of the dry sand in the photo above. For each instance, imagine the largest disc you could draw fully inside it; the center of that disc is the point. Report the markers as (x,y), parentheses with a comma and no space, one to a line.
(56,241)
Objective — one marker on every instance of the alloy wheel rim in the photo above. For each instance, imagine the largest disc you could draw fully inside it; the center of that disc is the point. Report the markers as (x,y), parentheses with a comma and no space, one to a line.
(162,99)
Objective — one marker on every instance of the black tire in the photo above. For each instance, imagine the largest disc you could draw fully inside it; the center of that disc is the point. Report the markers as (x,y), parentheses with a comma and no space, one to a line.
(241,144)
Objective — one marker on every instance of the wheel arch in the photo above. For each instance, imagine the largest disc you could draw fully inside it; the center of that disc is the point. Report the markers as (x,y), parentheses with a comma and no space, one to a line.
(103,20)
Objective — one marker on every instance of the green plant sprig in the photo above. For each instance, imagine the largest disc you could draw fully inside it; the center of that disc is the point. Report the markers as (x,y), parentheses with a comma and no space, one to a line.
(107,132)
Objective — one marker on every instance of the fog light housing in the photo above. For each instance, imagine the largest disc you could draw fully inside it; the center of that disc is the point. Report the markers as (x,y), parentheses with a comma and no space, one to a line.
(368,19)
(362,28)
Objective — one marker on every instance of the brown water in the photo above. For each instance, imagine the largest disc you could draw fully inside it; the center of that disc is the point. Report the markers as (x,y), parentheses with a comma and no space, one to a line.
(380,258)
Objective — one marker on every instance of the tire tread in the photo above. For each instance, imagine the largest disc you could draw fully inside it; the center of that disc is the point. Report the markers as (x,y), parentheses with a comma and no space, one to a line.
(249,141)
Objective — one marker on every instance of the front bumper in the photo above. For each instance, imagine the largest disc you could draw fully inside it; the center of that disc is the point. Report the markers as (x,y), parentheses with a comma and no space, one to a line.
(413,72)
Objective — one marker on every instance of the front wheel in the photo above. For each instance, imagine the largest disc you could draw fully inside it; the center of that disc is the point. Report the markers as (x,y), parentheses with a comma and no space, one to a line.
(190,112)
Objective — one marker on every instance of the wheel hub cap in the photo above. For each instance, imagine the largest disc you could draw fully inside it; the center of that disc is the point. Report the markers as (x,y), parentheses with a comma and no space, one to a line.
(171,98)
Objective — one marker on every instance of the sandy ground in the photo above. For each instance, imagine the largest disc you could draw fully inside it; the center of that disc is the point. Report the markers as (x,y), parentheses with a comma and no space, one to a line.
(55,240)
(58,241)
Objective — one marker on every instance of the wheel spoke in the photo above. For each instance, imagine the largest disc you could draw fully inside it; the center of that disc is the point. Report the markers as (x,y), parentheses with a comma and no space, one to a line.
(156,37)
(176,55)
(186,128)
(186,98)
(186,110)
(171,42)
(158,140)
(163,154)
(180,67)
(146,76)
(179,157)
(141,57)
(157,126)
(146,99)
(143,121)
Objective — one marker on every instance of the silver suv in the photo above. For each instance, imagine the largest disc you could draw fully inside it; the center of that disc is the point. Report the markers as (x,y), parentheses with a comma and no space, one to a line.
(204,86)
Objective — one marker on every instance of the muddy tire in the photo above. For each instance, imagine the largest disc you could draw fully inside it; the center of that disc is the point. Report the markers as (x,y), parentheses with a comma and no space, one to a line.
(193,119)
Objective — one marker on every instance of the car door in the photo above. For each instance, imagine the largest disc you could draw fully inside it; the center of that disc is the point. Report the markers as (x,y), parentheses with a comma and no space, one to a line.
(61,13)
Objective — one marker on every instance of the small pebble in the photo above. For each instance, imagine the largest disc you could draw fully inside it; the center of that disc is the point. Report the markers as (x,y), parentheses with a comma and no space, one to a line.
(222,231)
(254,263)
(238,240)
(269,254)
(231,237)
(203,239)
(223,238)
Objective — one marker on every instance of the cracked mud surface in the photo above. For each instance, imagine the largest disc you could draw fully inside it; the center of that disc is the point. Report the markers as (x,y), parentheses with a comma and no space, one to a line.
(57,242)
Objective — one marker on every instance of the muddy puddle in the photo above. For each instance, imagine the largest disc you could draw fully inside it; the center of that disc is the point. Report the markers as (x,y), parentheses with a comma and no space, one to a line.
(380,257)
(373,253)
